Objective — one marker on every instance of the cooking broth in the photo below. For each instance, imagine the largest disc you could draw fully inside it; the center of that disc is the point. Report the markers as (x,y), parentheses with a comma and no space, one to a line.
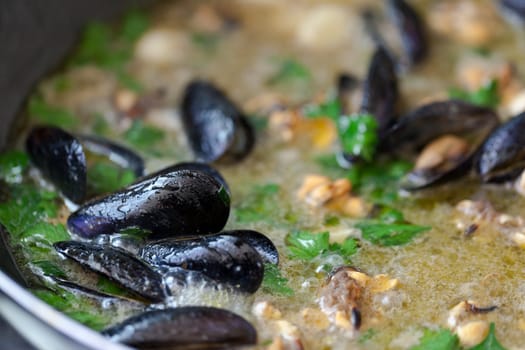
(291,53)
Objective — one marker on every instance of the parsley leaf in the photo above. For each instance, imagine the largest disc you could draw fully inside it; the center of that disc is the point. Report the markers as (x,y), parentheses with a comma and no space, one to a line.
(390,234)
(389,228)
(44,113)
(486,96)
(49,268)
(289,71)
(438,340)
(143,136)
(259,205)
(72,306)
(106,177)
(490,342)
(306,246)
(107,286)
(274,282)
(328,109)
(358,135)
(12,165)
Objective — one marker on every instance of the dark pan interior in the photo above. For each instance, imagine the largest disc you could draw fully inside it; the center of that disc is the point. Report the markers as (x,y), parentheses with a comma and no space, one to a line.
(36,35)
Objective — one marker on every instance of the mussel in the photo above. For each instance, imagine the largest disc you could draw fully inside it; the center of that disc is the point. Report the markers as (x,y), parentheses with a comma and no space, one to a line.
(180,203)
(262,244)
(117,265)
(215,127)
(60,158)
(411,30)
(514,10)
(188,327)
(380,90)
(432,121)
(222,258)
(502,155)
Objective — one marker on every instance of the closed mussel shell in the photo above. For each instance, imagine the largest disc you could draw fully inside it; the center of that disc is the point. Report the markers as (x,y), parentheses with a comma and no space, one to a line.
(181,203)
(222,258)
(60,158)
(117,265)
(215,127)
(189,327)
(261,243)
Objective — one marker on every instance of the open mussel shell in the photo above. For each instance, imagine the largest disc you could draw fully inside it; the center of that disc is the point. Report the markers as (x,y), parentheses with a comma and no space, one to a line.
(502,155)
(182,203)
(380,90)
(222,258)
(117,265)
(429,122)
(120,155)
(60,158)
(188,327)
(215,127)
(411,30)
(261,243)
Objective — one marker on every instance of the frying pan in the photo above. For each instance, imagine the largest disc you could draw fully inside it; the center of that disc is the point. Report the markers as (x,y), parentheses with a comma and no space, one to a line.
(35,37)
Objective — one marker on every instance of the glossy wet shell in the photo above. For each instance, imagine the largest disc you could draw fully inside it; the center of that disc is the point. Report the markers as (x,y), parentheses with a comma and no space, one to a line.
(411,30)
(202,167)
(380,91)
(502,156)
(214,125)
(60,158)
(117,265)
(190,327)
(225,259)
(117,153)
(180,203)
(261,243)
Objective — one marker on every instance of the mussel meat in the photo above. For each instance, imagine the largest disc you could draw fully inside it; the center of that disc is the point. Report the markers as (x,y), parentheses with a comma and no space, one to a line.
(453,119)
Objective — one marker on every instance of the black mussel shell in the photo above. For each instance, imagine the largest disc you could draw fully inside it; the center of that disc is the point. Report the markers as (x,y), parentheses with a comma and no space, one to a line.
(262,244)
(188,327)
(427,123)
(346,84)
(182,203)
(380,90)
(198,166)
(60,158)
(117,265)
(514,9)
(215,127)
(502,156)
(120,155)
(411,30)
(223,258)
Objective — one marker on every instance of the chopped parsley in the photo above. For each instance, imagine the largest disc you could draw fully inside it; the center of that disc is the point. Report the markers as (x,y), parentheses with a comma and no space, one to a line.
(12,166)
(331,108)
(73,306)
(389,229)
(143,136)
(274,282)
(442,339)
(259,205)
(358,135)
(490,342)
(208,42)
(290,71)
(106,177)
(110,48)
(49,268)
(486,96)
(305,245)
(44,113)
